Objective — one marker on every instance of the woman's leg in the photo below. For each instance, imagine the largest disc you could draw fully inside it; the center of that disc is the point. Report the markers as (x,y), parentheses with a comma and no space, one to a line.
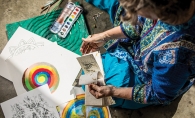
(118,73)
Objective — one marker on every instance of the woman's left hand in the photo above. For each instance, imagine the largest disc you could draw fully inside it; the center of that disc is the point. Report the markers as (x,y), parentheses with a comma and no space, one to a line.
(92,43)
(101,91)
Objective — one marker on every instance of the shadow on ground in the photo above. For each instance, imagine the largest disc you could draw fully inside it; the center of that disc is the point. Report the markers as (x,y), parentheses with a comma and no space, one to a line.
(147,112)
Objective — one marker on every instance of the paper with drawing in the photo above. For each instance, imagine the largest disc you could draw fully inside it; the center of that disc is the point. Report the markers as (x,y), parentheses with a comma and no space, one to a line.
(22,41)
(51,64)
(90,64)
(34,104)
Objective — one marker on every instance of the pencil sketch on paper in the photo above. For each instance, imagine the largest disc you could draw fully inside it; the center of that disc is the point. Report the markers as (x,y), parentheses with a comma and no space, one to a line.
(88,63)
(24,46)
(33,107)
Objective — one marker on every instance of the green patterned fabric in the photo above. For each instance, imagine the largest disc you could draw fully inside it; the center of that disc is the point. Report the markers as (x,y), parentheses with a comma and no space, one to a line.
(138,94)
(117,22)
(40,26)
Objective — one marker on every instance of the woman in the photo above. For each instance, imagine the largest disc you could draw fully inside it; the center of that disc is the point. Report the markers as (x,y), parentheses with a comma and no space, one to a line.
(155,62)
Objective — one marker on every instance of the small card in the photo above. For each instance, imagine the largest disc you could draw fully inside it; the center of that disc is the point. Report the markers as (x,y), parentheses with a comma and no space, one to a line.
(88,63)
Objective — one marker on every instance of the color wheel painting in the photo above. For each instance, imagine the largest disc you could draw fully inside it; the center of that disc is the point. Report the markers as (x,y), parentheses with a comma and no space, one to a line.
(77,109)
(40,74)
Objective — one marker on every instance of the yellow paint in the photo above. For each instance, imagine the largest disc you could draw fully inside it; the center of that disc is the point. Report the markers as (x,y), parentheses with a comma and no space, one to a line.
(72,16)
(41,79)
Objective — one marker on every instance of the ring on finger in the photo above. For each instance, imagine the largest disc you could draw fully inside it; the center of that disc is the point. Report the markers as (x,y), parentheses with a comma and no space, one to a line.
(90,36)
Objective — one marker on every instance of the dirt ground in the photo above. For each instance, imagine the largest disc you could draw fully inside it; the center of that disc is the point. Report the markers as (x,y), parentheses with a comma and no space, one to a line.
(17,10)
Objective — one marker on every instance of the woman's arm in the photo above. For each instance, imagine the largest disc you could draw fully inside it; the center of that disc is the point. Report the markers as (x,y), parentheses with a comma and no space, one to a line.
(104,91)
(114,33)
(125,93)
(93,42)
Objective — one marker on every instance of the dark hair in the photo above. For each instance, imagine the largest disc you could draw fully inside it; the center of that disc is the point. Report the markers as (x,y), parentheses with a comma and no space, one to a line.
(167,10)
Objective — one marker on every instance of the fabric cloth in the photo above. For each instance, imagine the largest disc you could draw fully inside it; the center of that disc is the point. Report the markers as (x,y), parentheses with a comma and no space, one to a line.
(118,72)
(157,60)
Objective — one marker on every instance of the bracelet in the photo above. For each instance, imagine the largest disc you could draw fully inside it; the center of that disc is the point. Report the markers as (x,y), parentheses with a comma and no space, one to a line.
(99,41)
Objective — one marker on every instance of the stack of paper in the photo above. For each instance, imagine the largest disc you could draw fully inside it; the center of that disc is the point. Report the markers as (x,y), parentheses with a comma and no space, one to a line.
(93,68)
(30,61)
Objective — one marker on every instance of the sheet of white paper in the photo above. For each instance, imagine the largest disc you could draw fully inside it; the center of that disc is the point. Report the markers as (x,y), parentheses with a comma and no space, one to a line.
(22,41)
(36,103)
(64,67)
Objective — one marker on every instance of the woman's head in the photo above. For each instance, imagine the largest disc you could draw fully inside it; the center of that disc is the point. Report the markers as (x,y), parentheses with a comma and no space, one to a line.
(169,11)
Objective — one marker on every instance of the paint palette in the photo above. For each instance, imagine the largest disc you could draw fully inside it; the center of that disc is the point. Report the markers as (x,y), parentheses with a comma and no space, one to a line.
(57,25)
(70,21)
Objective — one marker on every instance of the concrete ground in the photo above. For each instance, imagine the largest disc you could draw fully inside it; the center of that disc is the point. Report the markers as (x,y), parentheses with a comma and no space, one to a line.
(16,10)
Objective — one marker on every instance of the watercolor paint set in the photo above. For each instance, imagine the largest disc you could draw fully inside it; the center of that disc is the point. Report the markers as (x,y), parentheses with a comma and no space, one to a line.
(70,21)
(66,19)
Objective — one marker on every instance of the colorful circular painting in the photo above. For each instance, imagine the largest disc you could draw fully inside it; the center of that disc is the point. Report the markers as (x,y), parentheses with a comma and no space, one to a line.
(77,109)
(39,74)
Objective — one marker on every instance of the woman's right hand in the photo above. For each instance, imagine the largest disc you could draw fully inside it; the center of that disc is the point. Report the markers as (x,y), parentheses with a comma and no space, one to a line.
(92,43)
(101,91)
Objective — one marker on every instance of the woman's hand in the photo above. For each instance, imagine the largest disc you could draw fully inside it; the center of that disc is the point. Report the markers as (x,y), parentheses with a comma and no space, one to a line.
(101,91)
(92,43)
